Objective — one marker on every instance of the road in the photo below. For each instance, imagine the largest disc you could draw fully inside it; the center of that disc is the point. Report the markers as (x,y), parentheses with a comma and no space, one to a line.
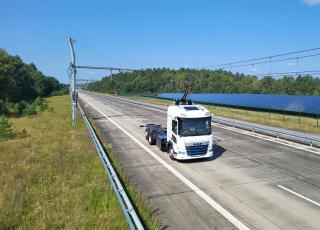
(249,183)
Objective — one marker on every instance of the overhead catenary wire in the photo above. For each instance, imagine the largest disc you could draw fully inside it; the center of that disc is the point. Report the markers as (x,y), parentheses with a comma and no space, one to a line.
(277,60)
(253,62)
(289,73)
(261,58)
(101,54)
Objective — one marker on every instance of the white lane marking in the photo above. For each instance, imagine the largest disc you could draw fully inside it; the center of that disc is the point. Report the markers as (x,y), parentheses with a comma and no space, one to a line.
(219,137)
(237,223)
(267,139)
(299,195)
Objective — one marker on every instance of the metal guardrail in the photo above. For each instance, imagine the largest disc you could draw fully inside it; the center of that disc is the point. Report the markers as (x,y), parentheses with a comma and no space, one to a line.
(269,131)
(126,206)
(274,132)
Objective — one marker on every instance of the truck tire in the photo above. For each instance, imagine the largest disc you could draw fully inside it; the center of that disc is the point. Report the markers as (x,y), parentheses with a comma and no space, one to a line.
(151,140)
(171,152)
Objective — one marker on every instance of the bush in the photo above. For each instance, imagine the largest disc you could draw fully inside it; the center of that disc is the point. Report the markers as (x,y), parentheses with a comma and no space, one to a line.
(23,107)
(44,106)
(30,110)
(41,103)
(4,107)
(38,101)
(22,134)
(5,127)
(19,107)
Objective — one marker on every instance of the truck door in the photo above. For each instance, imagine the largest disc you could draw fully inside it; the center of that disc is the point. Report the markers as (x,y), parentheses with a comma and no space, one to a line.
(174,131)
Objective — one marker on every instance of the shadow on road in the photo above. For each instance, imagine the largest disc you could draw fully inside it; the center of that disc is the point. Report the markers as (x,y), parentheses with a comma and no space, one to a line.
(217,152)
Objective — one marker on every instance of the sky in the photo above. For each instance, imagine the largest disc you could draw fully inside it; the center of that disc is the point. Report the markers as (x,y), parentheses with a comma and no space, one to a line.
(167,33)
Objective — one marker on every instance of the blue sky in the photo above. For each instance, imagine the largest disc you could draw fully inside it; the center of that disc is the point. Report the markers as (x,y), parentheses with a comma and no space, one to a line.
(140,34)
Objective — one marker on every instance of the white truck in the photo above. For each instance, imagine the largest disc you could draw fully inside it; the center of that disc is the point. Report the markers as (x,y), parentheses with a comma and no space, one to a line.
(188,134)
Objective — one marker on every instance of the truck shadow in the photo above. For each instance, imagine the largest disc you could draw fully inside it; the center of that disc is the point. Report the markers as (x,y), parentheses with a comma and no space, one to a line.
(217,152)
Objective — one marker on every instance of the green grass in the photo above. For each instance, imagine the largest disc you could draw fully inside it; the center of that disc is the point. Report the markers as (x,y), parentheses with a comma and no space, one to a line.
(140,204)
(52,178)
(304,124)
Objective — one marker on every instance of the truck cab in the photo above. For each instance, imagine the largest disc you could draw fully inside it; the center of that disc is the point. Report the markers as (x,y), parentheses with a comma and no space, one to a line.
(189,134)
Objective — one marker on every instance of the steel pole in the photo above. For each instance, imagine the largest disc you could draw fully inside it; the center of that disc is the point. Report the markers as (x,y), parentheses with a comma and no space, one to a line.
(73,82)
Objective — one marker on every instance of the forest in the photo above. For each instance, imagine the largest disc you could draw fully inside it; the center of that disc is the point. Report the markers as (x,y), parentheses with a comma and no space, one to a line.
(22,84)
(160,80)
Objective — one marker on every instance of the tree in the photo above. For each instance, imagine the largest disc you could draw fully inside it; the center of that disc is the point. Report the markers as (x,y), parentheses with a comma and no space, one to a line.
(217,81)
(20,81)
(5,127)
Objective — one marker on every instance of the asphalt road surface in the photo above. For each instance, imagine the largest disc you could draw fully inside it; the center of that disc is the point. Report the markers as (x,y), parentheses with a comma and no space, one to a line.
(249,183)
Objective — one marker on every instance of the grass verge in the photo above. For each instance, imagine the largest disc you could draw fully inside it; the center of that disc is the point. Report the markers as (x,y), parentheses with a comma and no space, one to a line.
(304,124)
(53,178)
(140,204)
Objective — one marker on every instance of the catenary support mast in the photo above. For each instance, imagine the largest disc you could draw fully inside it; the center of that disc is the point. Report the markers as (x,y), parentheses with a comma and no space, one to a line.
(73,80)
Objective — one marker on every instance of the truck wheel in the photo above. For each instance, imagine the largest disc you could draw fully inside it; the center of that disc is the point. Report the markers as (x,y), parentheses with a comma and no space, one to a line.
(146,134)
(171,152)
(151,140)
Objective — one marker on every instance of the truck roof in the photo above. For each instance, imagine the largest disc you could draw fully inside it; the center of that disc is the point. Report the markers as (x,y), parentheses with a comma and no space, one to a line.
(188,111)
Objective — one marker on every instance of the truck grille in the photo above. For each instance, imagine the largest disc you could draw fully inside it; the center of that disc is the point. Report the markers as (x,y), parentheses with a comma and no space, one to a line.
(197,150)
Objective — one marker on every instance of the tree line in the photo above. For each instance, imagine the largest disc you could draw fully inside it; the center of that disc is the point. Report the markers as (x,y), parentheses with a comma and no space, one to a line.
(159,80)
(22,85)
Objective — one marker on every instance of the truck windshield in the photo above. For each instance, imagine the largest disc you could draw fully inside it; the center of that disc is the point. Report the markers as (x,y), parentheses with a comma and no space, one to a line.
(194,126)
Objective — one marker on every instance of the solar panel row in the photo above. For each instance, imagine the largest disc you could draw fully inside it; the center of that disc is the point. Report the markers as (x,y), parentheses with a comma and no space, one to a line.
(290,103)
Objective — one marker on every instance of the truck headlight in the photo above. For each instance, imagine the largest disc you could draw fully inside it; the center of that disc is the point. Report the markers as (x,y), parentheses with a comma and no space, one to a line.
(181,151)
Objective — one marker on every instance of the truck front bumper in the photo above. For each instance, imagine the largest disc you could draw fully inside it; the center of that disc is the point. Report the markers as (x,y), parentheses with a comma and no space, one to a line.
(189,157)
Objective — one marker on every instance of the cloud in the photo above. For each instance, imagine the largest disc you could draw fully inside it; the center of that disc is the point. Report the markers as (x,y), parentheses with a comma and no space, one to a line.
(312,2)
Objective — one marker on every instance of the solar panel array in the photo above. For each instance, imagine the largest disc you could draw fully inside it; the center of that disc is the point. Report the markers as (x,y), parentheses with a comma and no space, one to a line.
(289,103)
